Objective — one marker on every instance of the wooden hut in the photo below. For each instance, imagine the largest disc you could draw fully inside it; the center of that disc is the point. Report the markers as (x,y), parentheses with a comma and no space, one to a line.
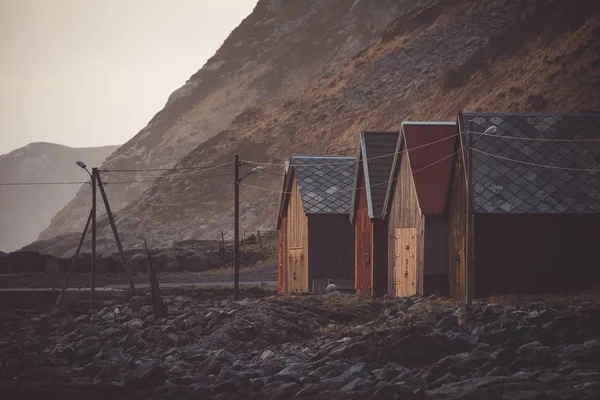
(316,238)
(535,204)
(375,157)
(416,205)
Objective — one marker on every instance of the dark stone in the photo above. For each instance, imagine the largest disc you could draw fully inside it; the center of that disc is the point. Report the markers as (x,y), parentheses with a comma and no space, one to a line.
(211,365)
(499,371)
(391,370)
(393,391)
(226,387)
(237,377)
(503,357)
(145,376)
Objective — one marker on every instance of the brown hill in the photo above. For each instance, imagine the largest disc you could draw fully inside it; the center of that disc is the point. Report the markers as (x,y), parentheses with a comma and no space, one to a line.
(429,62)
(280,48)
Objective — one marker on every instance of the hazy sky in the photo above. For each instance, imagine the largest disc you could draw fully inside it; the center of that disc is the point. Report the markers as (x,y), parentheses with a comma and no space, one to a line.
(94,72)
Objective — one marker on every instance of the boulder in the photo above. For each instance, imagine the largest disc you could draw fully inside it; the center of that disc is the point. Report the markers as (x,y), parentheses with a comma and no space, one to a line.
(145,376)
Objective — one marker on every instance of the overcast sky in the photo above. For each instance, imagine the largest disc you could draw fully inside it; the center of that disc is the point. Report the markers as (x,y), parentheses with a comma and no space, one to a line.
(94,72)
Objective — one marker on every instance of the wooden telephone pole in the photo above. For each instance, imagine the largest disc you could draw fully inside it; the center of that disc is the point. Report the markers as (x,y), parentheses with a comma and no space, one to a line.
(96,181)
(236,230)
(468,239)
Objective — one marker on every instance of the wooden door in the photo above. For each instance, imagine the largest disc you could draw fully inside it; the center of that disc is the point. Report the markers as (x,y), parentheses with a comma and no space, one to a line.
(364,256)
(282,257)
(457,273)
(405,268)
(297,271)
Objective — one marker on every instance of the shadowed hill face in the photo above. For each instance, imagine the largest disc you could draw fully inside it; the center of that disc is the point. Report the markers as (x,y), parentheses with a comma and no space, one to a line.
(428,60)
(26,210)
(280,48)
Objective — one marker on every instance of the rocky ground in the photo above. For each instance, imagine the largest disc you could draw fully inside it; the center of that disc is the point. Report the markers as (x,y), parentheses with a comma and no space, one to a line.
(332,346)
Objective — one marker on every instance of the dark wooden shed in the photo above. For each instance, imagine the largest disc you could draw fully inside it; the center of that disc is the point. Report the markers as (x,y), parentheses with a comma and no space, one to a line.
(416,209)
(535,204)
(316,238)
(375,157)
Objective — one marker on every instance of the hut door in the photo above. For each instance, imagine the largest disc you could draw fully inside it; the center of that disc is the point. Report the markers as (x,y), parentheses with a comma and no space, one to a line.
(296,280)
(281,265)
(405,268)
(457,269)
(364,256)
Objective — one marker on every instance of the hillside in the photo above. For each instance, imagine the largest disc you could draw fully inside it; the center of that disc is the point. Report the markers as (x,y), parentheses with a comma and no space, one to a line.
(280,48)
(427,60)
(26,210)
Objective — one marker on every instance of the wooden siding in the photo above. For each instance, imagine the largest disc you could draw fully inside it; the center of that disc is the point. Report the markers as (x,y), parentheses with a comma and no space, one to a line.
(536,253)
(436,255)
(404,213)
(331,244)
(296,269)
(364,242)
(457,214)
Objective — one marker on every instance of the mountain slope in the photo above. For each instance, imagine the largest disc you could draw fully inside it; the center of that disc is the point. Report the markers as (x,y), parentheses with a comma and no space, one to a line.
(282,47)
(26,210)
(437,59)
(429,60)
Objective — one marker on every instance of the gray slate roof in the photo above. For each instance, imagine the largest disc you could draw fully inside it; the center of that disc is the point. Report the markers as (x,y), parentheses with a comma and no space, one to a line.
(325,183)
(377,151)
(501,185)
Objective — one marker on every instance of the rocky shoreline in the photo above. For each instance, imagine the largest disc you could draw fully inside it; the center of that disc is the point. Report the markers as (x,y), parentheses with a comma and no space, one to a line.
(330,346)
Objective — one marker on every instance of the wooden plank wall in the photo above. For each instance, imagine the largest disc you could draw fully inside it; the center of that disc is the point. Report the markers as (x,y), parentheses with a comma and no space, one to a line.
(331,243)
(404,213)
(297,243)
(457,214)
(363,243)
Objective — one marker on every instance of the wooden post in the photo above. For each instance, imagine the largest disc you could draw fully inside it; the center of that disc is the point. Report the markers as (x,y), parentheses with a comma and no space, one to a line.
(236,230)
(158,306)
(93,260)
(260,240)
(111,219)
(468,260)
(73,262)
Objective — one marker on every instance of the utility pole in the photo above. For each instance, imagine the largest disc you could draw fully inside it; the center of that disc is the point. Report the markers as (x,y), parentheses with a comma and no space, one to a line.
(468,263)
(111,219)
(93,261)
(236,230)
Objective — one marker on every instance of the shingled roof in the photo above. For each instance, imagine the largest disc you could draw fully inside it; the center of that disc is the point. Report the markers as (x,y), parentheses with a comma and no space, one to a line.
(324,182)
(517,176)
(376,154)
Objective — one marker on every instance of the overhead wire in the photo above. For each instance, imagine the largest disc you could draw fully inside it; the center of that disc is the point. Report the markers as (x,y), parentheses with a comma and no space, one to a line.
(537,139)
(204,168)
(363,187)
(356,160)
(140,200)
(42,183)
(536,164)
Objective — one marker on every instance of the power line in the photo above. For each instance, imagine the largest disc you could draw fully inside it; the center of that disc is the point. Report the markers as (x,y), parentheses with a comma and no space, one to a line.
(206,168)
(175,178)
(535,164)
(41,183)
(356,160)
(362,187)
(535,139)
(140,200)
